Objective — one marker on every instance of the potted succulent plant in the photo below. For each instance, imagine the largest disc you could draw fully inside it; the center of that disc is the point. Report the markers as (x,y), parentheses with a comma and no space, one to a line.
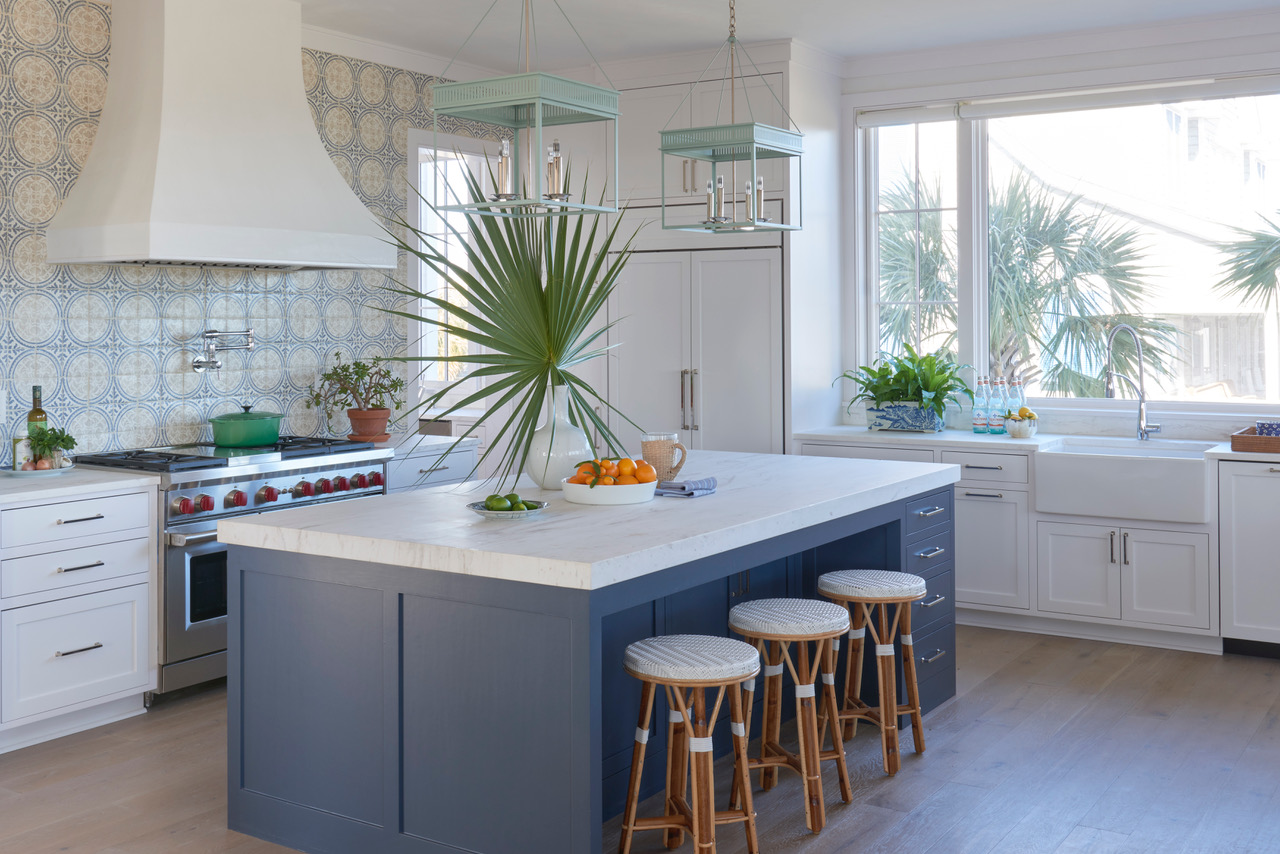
(367,390)
(909,392)
(47,447)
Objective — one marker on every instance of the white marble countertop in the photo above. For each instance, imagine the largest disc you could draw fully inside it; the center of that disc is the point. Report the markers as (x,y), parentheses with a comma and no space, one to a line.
(418,444)
(964,439)
(760,496)
(75,483)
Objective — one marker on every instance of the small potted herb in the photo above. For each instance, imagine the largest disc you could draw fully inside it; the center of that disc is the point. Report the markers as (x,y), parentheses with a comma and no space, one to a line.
(47,447)
(909,392)
(368,391)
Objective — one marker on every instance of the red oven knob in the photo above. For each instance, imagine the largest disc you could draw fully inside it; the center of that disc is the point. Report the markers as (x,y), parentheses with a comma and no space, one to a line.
(305,489)
(324,486)
(375,478)
(183,506)
(362,481)
(204,503)
(341,484)
(237,498)
(268,493)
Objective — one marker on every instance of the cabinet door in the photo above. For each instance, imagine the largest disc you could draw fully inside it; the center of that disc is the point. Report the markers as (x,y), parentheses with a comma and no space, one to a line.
(1248,494)
(645,112)
(1165,577)
(992,557)
(1078,569)
(753,101)
(651,345)
(737,351)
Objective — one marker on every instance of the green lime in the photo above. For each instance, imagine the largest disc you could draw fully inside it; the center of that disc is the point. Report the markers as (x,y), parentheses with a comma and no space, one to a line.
(518,505)
(514,498)
(496,502)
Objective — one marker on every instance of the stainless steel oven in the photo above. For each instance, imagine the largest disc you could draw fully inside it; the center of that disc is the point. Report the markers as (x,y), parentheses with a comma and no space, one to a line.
(194,610)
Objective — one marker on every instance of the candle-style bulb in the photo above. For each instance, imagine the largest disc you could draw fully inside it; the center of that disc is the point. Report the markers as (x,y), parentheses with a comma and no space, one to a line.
(759,197)
(719,196)
(711,202)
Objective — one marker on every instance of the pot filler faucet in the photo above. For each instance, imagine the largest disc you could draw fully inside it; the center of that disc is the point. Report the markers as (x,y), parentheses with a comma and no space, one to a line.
(1144,429)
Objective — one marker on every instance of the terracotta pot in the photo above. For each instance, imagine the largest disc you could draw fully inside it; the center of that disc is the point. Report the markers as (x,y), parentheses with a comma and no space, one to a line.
(369,425)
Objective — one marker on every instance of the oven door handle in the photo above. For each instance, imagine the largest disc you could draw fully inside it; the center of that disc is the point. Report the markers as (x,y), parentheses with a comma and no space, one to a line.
(181,540)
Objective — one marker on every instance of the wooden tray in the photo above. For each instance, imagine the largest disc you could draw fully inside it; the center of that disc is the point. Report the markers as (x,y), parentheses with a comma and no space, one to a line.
(1248,441)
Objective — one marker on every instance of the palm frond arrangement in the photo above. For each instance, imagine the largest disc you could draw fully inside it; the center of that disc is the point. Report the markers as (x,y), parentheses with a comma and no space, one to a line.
(532,290)
(1253,259)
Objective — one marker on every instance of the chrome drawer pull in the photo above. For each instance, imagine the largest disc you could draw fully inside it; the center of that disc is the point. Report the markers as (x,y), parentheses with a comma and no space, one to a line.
(932,511)
(93,565)
(1273,470)
(937,550)
(936,600)
(77,651)
(433,471)
(93,518)
(181,540)
(983,495)
(937,653)
(984,468)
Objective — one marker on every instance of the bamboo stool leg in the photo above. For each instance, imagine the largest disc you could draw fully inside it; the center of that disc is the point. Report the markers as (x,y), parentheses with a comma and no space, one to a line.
(853,667)
(771,726)
(815,817)
(740,724)
(637,766)
(888,691)
(677,762)
(703,794)
(827,653)
(909,675)
(747,699)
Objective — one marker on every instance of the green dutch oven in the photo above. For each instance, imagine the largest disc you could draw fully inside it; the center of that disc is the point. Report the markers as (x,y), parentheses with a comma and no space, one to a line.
(246,429)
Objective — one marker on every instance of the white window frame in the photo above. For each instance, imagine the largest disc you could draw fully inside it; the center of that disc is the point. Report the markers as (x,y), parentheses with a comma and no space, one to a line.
(972,175)
(418,141)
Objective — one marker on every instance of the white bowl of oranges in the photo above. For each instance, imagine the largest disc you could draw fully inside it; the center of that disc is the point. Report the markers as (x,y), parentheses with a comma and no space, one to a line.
(613,480)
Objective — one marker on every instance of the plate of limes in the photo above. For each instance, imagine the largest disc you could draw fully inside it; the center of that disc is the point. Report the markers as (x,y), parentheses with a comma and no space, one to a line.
(509,506)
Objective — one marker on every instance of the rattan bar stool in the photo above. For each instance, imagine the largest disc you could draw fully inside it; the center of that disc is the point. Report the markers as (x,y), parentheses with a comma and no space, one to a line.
(686,666)
(774,626)
(869,594)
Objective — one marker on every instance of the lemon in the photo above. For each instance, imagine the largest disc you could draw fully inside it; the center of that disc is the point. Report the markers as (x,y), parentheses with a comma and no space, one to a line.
(1026,412)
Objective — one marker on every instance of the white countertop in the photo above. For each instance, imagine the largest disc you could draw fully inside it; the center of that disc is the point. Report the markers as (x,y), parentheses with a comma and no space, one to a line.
(75,483)
(418,444)
(760,496)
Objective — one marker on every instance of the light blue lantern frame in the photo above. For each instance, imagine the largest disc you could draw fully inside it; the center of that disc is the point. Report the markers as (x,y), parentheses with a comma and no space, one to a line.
(530,102)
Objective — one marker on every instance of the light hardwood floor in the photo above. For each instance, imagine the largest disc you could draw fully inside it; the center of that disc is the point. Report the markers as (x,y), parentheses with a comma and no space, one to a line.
(1052,745)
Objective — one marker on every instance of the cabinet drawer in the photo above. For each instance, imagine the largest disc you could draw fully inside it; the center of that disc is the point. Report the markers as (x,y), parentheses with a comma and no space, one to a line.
(936,690)
(930,552)
(411,472)
(935,652)
(862,452)
(66,520)
(925,513)
(64,569)
(939,602)
(991,468)
(73,650)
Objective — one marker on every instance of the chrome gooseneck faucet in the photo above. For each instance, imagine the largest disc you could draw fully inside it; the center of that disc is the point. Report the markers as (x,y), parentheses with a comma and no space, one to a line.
(1144,429)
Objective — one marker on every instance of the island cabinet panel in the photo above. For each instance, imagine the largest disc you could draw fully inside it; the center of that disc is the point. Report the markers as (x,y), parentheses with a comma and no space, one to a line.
(444,779)
(313,695)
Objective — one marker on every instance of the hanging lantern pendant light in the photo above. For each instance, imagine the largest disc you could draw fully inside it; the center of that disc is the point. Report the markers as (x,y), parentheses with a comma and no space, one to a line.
(724,147)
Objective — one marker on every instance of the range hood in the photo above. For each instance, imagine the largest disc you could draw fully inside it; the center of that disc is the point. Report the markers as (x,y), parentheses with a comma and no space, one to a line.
(207,153)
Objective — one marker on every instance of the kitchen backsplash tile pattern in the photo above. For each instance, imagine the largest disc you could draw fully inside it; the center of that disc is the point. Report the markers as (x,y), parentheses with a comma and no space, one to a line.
(112,346)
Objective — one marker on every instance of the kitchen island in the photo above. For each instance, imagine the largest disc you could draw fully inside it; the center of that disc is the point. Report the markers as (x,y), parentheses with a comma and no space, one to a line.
(406,676)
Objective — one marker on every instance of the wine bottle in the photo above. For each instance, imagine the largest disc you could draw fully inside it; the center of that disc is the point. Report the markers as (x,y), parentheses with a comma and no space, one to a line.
(36,420)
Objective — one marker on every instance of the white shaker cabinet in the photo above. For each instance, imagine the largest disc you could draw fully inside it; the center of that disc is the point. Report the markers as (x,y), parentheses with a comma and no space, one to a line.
(698,349)
(992,554)
(1248,495)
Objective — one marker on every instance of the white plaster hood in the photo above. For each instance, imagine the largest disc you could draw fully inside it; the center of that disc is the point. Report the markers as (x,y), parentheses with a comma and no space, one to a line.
(207,153)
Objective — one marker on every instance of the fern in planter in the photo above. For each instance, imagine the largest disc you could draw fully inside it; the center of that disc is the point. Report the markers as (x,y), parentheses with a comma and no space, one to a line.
(929,382)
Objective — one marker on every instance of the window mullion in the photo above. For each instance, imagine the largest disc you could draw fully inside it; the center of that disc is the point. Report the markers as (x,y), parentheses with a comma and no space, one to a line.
(971,219)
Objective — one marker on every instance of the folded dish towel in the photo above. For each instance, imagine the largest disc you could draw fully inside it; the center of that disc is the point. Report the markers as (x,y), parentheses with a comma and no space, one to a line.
(687,488)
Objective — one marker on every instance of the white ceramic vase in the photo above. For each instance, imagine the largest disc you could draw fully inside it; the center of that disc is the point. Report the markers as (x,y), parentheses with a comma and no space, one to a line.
(558,445)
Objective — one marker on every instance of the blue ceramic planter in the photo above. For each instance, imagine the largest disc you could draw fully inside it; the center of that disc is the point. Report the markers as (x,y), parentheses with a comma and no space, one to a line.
(903,416)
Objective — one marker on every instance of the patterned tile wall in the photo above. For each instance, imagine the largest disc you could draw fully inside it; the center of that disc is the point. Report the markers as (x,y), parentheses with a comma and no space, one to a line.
(112,346)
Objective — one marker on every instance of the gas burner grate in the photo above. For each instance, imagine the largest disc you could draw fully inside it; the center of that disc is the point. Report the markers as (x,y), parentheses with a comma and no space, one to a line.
(144,460)
(313,446)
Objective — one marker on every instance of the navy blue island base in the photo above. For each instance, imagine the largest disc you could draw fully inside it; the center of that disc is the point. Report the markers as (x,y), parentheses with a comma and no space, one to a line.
(380,708)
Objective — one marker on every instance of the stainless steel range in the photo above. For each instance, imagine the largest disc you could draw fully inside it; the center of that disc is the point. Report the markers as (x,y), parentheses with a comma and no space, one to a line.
(201,484)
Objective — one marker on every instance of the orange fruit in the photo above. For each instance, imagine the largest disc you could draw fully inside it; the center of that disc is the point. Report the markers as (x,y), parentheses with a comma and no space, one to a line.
(611,470)
(646,473)
(587,469)
(626,478)
(626,466)
(604,480)
(580,478)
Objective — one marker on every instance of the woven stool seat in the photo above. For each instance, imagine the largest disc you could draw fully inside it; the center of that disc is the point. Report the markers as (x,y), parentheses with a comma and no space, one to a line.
(691,658)
(871,584)
(788,617)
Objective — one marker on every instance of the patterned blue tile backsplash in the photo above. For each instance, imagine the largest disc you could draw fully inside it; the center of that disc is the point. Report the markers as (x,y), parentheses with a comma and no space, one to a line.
(112,346)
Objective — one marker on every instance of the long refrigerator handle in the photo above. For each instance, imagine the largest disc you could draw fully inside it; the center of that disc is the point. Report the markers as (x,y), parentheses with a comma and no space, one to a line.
(684,412)
(693,412)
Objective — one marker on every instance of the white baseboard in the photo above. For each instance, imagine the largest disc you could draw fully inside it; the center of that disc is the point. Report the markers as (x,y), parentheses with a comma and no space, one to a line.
(25,735)
(1208,644)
